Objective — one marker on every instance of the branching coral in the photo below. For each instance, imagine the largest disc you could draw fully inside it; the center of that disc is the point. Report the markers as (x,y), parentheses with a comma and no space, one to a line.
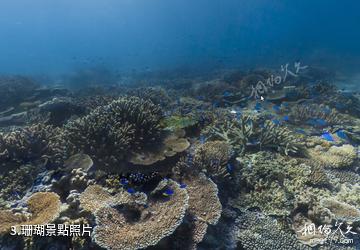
(212,157)
(156,95)
(280,138)
(31,144)
(110,132)
(308,113)
(250,132)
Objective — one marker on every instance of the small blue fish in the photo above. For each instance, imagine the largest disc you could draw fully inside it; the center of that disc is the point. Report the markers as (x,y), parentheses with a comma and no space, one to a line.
(286,118)
(124,181)
(130,190)
(327,136)
(258,106)
(229,167)
(276,122)
(201,97)
(276,108)
(341,134)
(183,185)
(168,192)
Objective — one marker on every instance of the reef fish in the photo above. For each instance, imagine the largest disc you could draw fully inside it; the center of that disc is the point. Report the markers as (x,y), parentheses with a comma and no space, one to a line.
(130,190)
(183,185)
(341,134)
(168,192)
(327,136)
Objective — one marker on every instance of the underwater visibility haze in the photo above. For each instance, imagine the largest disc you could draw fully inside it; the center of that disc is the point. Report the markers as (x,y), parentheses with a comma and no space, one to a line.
(160,125)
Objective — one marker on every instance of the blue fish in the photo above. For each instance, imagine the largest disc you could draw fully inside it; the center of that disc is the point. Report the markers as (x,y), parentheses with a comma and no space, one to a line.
(277,108)
(168,192)
(226,94)
(130,190)
(124,181)
(201,97)
(183,185)
(327,136)
(258,106)
(341,134)
(286,118)
(276,122)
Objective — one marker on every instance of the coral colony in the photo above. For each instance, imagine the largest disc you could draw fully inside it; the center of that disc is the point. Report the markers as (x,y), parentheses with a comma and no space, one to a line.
(181,164)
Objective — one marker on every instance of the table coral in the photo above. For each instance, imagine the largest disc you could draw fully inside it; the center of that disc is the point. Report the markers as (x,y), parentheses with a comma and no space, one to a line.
(130,227)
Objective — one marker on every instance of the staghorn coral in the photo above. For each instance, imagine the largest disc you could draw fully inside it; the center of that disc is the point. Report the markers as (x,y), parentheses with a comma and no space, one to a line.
(134,227)
(335,157)
(280,138)
(212,157)
(31,144)
(250,132)
(301,114)
(110,132)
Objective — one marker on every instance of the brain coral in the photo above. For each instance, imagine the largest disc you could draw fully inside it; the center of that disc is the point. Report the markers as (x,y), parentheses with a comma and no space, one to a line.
(130,226)
(110,132)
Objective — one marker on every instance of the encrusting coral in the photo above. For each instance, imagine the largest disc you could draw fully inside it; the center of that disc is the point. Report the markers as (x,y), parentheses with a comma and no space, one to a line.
(341,211)
(110,132)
